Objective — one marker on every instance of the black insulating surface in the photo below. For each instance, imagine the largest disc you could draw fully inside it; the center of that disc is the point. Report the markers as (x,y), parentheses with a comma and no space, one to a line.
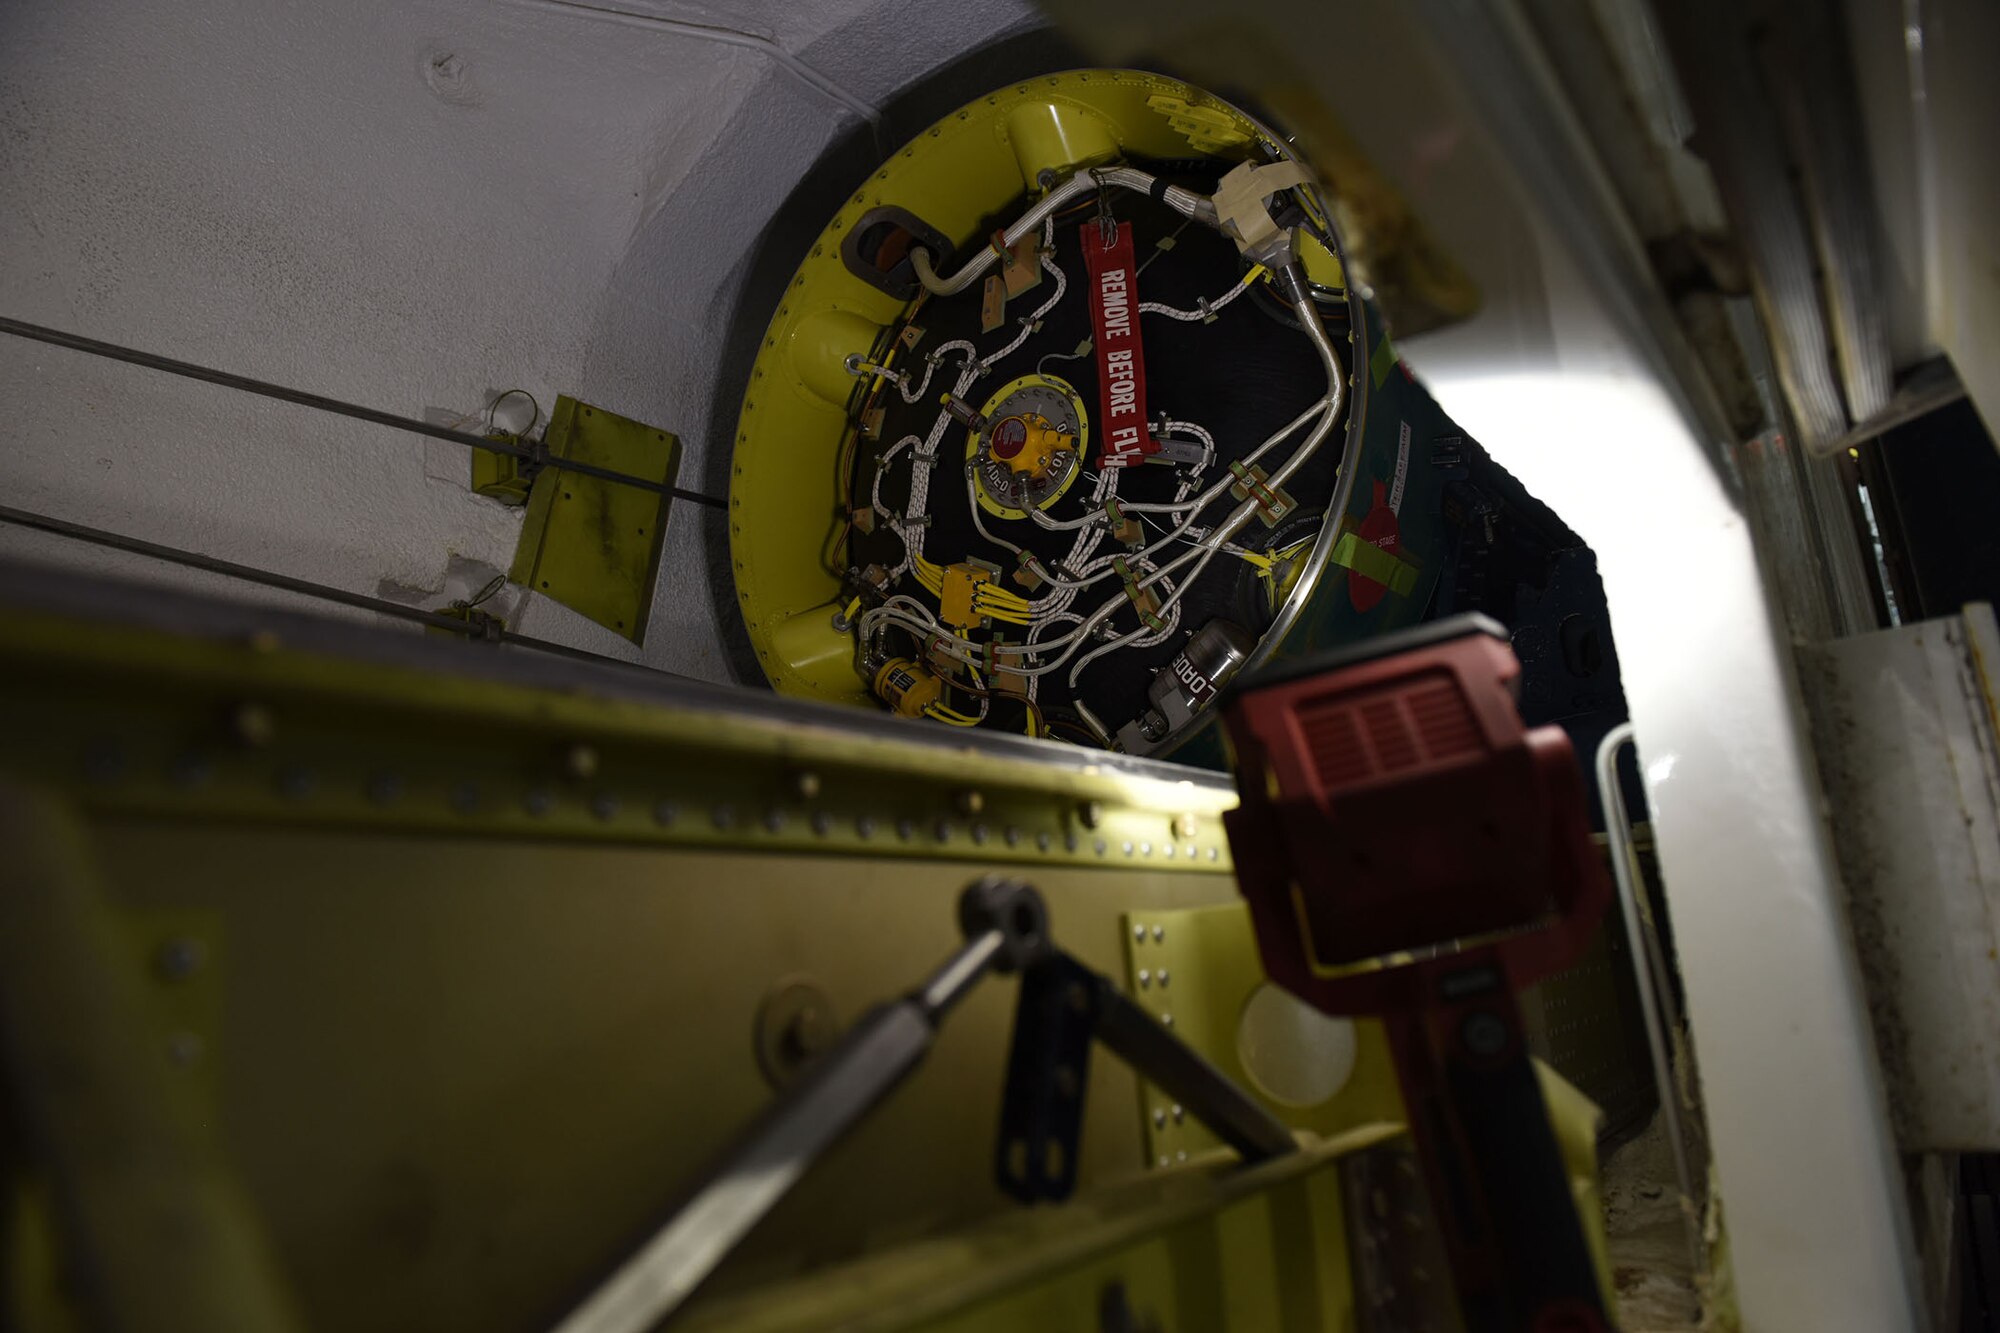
(1241,378)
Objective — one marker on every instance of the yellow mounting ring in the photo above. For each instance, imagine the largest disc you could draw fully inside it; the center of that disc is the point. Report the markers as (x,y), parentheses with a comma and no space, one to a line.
(973,164)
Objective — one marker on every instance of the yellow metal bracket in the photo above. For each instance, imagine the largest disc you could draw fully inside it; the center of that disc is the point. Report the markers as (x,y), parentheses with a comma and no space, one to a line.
(594,545)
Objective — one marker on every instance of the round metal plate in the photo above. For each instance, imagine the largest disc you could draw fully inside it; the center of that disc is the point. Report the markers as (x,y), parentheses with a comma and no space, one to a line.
(1000,490)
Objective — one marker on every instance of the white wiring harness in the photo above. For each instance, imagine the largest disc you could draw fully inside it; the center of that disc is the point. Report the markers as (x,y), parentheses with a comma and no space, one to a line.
(1051,613)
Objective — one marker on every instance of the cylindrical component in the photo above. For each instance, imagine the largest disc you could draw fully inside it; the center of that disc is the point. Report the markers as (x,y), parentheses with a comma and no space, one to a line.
(908,687)
(820,345)
(964,413)
(1290,280)
(1057,135)
(1011,909)
(1203,667)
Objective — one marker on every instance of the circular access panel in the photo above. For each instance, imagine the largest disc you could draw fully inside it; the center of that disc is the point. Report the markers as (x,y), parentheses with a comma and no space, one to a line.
(1032,471)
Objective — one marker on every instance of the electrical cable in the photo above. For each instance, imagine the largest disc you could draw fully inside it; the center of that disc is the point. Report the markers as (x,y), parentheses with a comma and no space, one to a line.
(1034,658)
(1183,201)
(117,541)
(319,402)
(1204,309)
(1343,495)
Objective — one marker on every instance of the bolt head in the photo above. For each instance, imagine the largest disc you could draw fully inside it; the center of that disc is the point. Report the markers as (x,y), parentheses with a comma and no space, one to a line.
(180,958)
(253,724)
(1091,813)
(970,802)
(1483,1033)
(995,902)
(580,760)
(805,785)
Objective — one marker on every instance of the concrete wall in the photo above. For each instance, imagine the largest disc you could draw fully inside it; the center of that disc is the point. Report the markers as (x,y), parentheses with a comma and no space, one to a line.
(411,205)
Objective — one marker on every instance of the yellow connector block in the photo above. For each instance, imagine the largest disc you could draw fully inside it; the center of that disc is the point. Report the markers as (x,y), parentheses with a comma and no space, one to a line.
(955,598)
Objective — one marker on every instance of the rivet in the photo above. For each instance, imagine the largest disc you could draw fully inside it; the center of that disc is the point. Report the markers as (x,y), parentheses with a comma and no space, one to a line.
(1099,846)
(464,798)
(1145,849)
(970,802)
(1190,851)
(1042,840)
(1091,813)
(943,830)
(604,805)
(295,782)
(1159,934)
(805,785)
(1169,849)
(979,834)
(252,724)
(722,816)
(906,829)
(1145,978)
(1013,836)
(1159,1117)
(180,958)
(1166,1020)
(864,827)
(1215,853)
(822,823)
(665,813)
(1126,846)
(385,788)
(1184,826)
(1138,934)
(1181,1155)
(774,820)
(1179,1114)
(539,801)
(1163,1159)
(1071,841)
(1163,976)
(581,760)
